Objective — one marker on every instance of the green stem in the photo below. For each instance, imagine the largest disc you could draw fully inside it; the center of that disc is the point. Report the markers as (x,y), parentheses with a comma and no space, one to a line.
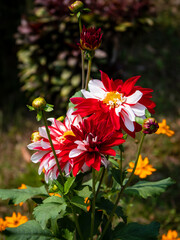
(120,167)
(82,54)
(53,150)
(93,204)
(77,223)
(100,182)
(123,188)
(88,72)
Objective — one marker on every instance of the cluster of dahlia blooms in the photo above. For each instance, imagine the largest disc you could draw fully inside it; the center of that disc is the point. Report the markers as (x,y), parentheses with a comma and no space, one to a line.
(85,138)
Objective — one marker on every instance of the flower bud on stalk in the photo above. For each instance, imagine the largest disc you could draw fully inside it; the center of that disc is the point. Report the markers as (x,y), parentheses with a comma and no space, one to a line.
(39,103)
(90,39)
(76,6)
(35,137)
(150,125)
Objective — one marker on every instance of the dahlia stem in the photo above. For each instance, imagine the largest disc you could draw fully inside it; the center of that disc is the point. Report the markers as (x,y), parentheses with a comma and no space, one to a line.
(88,72)
(77,223)
(50,141)
(93,203)
(100,182)
(120,167)
(123,188)
(82,53)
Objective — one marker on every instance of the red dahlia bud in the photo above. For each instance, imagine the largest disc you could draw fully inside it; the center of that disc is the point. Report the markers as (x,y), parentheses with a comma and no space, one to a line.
(150,126)
(39,103)
(90,38)
(76,6)
(35,137)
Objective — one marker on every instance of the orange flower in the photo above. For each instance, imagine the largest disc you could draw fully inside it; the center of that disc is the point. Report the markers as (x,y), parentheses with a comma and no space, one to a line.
(143,167)
(87,201)
(23,186)
(55,194)
(3,225)
(171,235)
(164,129)
(15,220)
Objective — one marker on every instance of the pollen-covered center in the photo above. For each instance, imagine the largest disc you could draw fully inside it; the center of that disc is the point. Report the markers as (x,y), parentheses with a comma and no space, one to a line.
(114,99)
(63,137)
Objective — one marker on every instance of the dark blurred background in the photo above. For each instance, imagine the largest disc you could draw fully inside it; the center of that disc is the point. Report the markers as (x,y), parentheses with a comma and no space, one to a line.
(40,57)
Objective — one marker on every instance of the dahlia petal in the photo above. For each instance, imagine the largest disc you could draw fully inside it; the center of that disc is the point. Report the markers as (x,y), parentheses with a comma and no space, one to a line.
(42,132)
(128,112)
(34,145)
(97,89)
(45,145)
(36,157)
(129,84)
(75,152)
(87,94)
(139,109)
(128,123)
(134,98)
(85,168)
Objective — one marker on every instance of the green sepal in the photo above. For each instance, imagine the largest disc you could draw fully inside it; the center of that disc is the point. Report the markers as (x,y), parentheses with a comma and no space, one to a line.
(48,108)
(86,10)
(30,108)
(39,116)
(139,120)
(78,14)
(147,114)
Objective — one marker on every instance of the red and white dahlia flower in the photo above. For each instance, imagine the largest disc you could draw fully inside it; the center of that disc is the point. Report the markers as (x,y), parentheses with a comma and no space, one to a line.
(117,101)
(89,144)
(44,154)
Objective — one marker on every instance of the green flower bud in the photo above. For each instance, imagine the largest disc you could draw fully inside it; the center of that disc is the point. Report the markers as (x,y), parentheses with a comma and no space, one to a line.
(61,118)
(39,103)
(35,137)
(76,6)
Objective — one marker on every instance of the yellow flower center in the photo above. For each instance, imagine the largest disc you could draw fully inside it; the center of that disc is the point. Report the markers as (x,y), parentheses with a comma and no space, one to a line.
(63,137)
(114,99)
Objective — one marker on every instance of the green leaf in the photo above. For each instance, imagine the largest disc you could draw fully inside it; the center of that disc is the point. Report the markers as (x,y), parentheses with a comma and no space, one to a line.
(77,94)
(111,159)
(39,116)
(21,195)
(107,205)
(84,191)
(79,202)
(135,231)
(116,173)
(68,184)
(50,209)
(30,108)
(66,228)
(147,189)
(139,120)
(30,230)
(147,114)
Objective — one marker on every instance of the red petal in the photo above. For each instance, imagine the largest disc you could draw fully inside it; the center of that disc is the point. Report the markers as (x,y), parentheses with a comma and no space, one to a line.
(129,84)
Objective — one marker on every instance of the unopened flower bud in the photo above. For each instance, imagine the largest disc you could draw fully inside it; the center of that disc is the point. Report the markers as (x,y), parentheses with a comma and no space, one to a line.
(76,6)
(39,103)
(150,125)
(35,137)
(90,39)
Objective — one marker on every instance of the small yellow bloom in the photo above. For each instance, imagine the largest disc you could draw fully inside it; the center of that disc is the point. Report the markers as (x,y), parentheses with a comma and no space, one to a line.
(23,186)
(171,235)
(164,129)
(3,225)
(15,220)
(143,168)
(55,194)
(87,201)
